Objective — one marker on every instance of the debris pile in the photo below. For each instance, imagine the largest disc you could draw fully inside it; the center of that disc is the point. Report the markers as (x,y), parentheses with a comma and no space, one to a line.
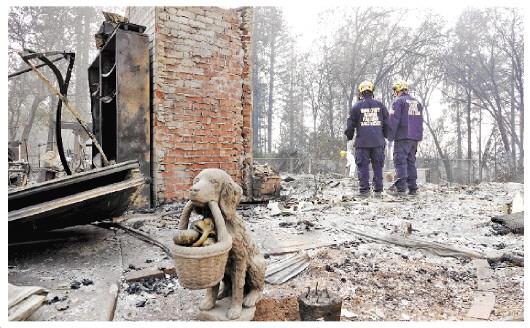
(162,286)
(265,182)
(404,273)
(386,259)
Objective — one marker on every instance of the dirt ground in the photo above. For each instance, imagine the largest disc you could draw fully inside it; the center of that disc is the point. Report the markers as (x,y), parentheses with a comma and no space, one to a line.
(376,280)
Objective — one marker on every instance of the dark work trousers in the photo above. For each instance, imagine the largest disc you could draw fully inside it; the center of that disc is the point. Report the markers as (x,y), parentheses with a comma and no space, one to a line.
(405,164)
(363,157)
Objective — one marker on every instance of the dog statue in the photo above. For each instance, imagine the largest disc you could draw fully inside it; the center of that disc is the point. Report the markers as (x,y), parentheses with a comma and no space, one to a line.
(215,193)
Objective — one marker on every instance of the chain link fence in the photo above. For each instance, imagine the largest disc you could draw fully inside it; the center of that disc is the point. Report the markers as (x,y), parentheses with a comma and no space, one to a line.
(429,170)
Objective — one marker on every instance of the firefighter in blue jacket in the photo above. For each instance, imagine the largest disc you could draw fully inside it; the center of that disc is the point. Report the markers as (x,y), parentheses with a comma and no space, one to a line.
(369,121)
(406,130)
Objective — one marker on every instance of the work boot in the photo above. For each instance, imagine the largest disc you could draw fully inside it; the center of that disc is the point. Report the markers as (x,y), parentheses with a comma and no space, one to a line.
(378,194)
(363,195)
(413,192)
(396,193)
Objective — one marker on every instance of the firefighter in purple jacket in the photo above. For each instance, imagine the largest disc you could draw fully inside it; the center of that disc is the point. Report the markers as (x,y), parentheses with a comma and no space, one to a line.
(369,121)
(406,130)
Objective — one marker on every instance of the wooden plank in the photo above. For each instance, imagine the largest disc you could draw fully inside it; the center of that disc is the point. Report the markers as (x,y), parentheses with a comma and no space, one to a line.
(18,293)
(433,247)
(24,309)
(301,247)
(482,305)
(66,201)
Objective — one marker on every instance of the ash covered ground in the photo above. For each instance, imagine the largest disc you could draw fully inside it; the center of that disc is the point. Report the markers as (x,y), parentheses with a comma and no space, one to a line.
(381,281)
(376,280)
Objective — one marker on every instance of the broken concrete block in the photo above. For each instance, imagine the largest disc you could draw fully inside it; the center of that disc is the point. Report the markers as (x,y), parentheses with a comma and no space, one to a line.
(144,274)
(282,309)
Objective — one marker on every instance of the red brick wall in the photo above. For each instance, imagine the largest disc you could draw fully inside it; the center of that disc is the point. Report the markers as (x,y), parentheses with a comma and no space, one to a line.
(202,99)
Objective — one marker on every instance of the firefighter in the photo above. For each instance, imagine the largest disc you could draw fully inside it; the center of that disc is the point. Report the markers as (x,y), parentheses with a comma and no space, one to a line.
(369,121)
(406,130)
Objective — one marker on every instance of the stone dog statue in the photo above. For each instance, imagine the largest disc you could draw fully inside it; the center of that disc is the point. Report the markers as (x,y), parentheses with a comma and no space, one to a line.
(215,193)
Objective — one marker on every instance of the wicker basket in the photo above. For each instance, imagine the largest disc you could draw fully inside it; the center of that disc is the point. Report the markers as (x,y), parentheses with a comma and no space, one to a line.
(201,267)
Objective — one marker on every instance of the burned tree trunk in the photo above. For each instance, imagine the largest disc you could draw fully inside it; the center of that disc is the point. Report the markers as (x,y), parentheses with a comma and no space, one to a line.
(272,61)
(442,155)
(34,105)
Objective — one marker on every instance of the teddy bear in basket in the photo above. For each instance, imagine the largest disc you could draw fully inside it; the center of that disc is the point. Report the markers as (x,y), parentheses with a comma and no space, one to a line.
(215,194)
(202,233)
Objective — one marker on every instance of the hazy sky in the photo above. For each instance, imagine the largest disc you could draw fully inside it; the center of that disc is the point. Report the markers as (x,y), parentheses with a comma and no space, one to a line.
(303,20)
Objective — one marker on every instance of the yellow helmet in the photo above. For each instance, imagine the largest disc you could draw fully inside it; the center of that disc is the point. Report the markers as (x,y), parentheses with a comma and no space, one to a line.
(400,86)
(366,86)
(343,153)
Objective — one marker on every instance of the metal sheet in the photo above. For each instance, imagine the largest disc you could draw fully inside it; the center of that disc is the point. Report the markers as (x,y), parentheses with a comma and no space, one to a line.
(78,199)
(132,78)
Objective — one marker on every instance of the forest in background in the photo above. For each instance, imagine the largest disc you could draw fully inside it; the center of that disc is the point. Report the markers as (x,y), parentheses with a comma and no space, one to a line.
(475,64)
